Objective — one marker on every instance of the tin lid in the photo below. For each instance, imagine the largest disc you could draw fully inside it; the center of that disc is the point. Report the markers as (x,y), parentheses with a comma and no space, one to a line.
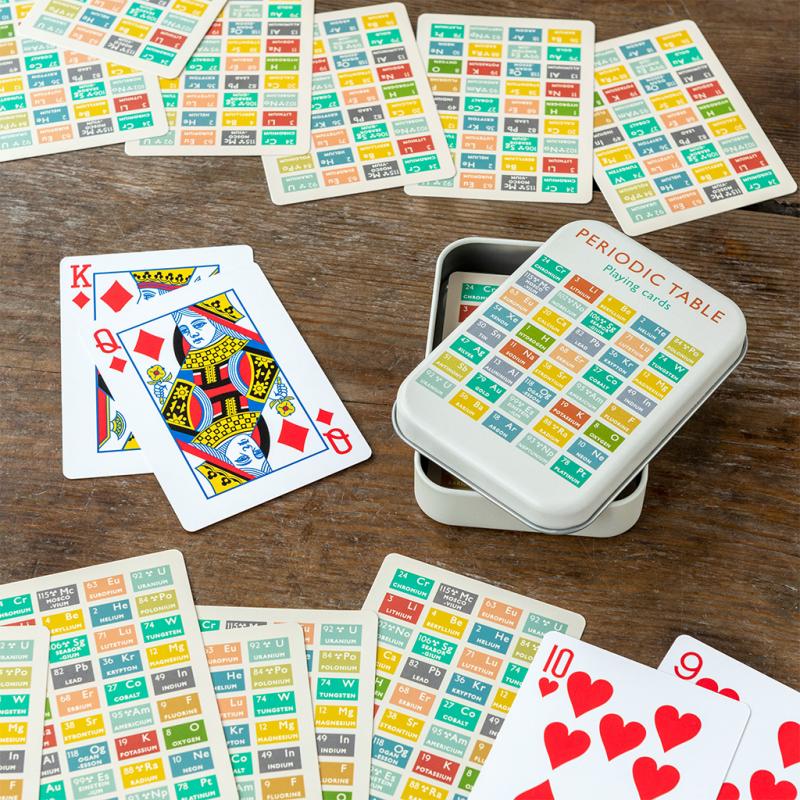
(566,381)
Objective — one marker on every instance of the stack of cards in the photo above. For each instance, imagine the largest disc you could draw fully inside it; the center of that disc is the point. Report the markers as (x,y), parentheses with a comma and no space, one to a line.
(54,99)
(476,692)
(345,102)
(185,363)
(588,723)
(340,658)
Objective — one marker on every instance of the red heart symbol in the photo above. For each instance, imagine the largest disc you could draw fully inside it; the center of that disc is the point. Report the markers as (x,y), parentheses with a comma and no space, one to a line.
(764,787)
(713,686)
(789,743)
(547,687)
(653,781)
(563,746)
(540,792)
(728,792)
(619,738)
(674,729)
(586,694)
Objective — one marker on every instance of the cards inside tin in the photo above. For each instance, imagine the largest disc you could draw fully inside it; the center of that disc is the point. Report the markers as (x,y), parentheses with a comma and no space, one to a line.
(565,382)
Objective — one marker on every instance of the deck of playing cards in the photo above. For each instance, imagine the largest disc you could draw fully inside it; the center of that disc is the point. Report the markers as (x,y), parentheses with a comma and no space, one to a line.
(185,363)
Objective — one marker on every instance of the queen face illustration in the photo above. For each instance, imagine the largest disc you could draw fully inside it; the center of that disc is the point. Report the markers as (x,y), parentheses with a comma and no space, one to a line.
(198,331)
(243,452)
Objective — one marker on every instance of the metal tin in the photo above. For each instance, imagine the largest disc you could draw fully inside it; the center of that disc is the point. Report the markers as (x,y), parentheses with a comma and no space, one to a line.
(658,343)
(461,505)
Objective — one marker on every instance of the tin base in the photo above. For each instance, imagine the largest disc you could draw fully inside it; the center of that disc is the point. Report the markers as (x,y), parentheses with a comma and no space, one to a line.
(453,505)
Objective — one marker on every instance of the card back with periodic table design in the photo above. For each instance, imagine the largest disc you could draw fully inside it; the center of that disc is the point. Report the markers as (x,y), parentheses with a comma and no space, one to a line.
(674,140)
(514,96)
(452,653)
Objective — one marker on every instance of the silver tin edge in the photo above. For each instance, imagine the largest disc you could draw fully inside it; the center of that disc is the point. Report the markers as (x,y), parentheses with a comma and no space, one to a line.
(628,477)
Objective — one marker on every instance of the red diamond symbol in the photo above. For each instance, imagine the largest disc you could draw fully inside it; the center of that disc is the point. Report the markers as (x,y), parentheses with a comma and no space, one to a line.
(325,417)
(149,345)
(80,300)
(116,296)
(118,364)
(293,435)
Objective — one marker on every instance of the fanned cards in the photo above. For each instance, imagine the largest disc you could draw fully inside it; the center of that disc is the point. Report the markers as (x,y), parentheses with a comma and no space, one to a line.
(156,36)
(97,435)
(246,90)
(132,711)
(53,100)
(340,656)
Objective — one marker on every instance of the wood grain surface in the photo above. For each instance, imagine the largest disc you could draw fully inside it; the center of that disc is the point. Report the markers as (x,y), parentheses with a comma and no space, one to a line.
(715,553)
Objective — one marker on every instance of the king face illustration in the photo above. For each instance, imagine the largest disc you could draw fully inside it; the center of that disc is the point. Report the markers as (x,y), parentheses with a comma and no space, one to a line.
(214,405)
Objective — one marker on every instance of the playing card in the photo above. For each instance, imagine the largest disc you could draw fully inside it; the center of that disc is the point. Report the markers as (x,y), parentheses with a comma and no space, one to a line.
(465,292)
(589,723)
(452,653)
(515,98)
(97,436)
(767,763)
(155,36)
(23,681)
(260,678)
(226,399)
(340,655)
(54,100)
(131,707)
(373,123)
(246,90)
(673,138)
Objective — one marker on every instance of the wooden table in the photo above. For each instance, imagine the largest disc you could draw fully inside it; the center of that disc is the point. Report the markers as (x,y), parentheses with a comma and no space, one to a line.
(715,552)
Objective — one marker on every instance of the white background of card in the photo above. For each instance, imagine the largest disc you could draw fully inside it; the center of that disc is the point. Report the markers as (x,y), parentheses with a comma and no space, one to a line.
(786,183)
(305,713)
(203,687)
(366,676)
(574,624)
(303,108)
(584,139)
(80,456)
(280,197)
(283,339)
(771,705)
(34,719)
(103,54)
(638,692)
